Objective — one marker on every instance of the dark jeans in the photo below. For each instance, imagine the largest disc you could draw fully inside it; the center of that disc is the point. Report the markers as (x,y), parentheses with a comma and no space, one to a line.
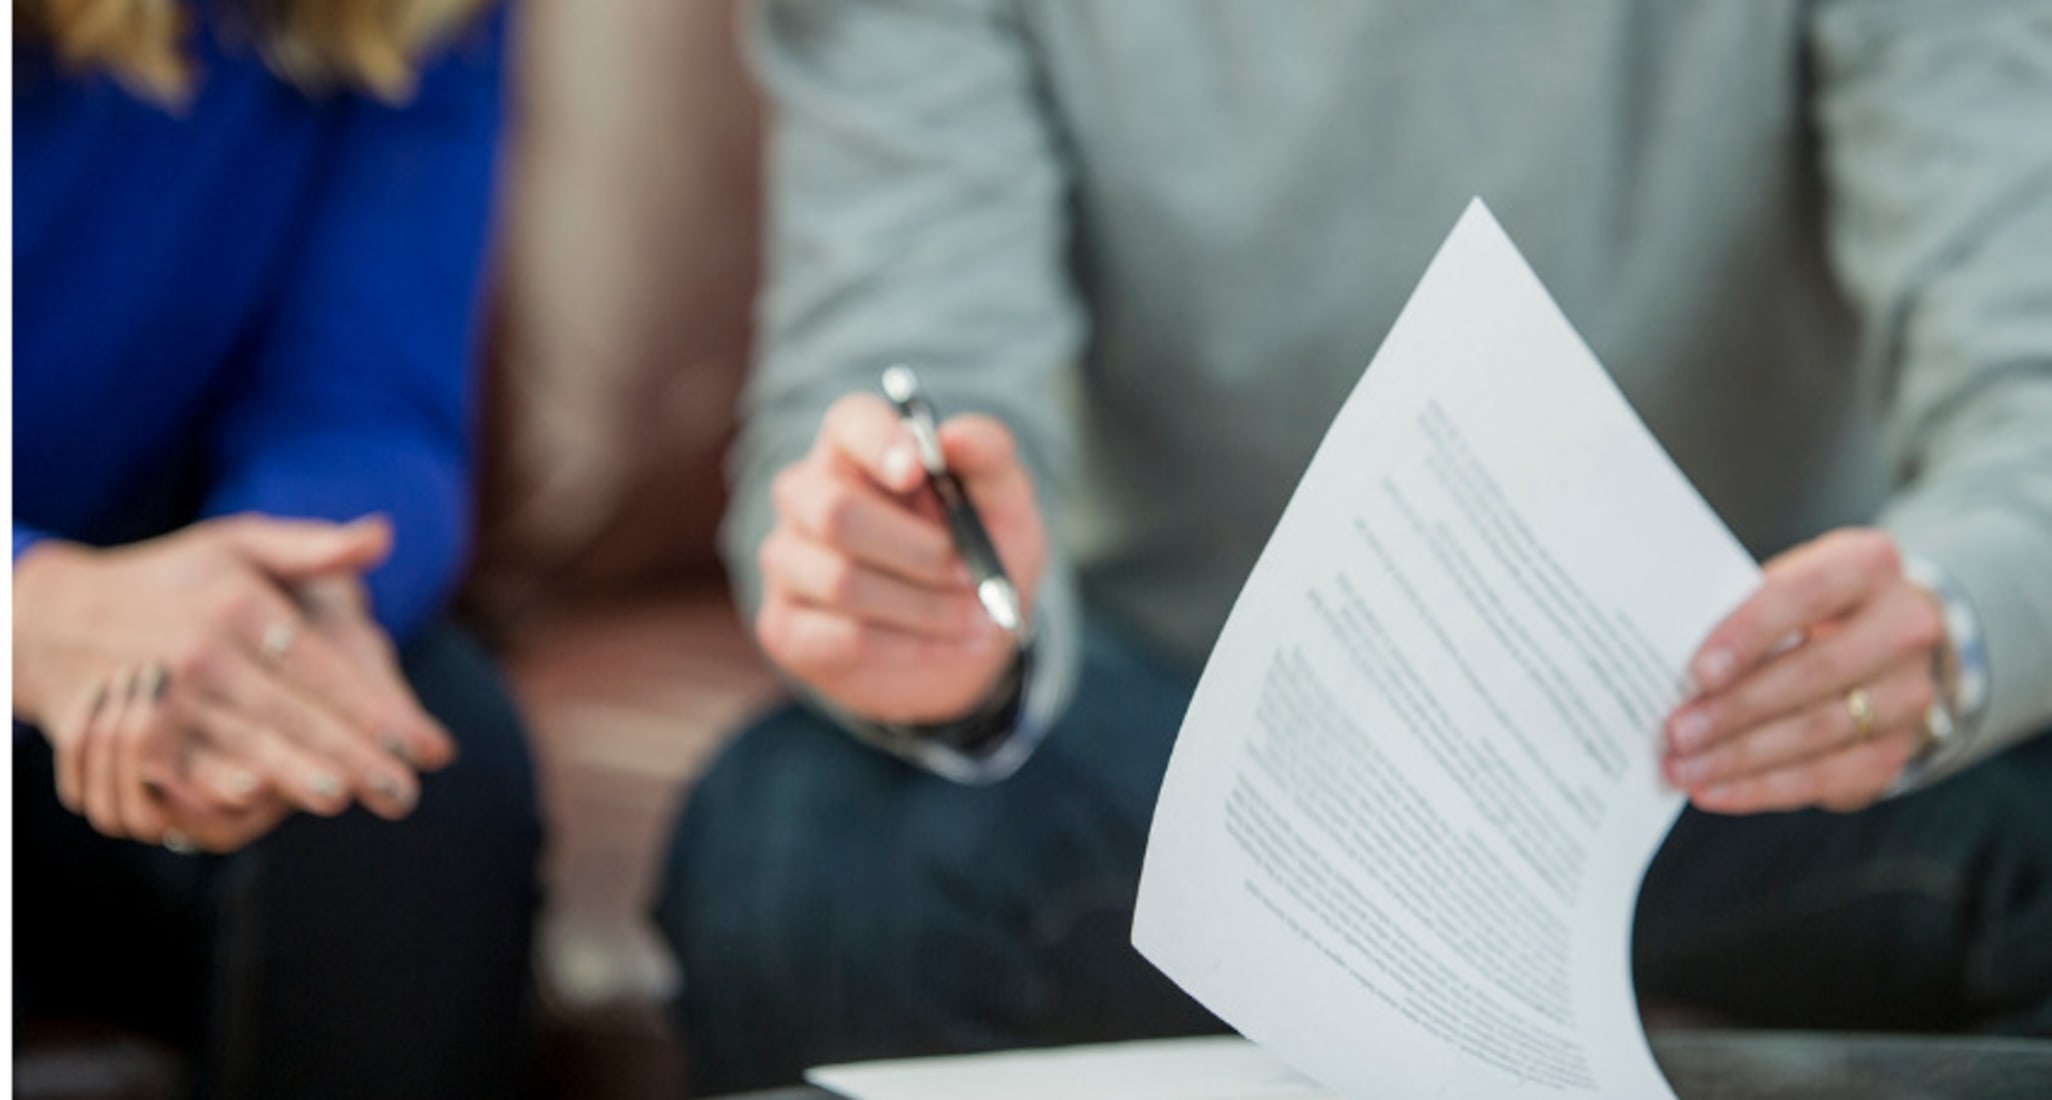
(349,957)
(829,903)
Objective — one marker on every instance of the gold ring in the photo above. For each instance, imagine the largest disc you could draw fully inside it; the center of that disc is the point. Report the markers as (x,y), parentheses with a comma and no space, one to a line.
(278,641)
(1862,711)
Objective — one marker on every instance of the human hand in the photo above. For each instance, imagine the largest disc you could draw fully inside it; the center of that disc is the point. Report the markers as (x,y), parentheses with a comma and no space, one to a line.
(1834,631)
(114,732)
(337,607)
(200,619)
(865,599)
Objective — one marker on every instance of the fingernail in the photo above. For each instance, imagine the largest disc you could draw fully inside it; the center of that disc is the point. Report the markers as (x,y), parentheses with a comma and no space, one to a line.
(1691,770)
(1691,730)
(242,784)
(1713,668)
(393,790)
(898,463)
(398,746)
(324,785)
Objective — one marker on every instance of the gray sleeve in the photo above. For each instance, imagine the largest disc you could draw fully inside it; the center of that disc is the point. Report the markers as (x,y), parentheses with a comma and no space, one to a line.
(1936,123)
(918,213)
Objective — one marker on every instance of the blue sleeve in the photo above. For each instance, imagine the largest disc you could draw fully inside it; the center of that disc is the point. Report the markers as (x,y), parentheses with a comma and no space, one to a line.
(360,395)
(25,537)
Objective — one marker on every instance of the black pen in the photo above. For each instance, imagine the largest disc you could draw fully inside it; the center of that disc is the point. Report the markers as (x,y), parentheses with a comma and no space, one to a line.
(993,589)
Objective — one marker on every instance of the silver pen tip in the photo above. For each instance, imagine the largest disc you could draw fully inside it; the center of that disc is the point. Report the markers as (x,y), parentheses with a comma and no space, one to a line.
(900,383)
(999,598)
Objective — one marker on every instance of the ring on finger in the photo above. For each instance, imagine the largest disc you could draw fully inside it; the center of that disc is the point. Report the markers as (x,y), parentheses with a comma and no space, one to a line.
(277,641)
(1862,711)
(178,843)
(152,681)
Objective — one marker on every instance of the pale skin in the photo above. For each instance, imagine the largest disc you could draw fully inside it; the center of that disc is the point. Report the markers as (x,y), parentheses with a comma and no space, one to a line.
(1771,728)
(865,600)
(232,739)
(867,604)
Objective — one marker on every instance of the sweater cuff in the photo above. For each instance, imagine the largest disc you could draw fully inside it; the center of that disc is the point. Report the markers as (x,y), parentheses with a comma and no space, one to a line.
(25,537)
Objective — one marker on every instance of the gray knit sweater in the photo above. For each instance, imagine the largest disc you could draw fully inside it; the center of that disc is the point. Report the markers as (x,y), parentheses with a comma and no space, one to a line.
(1812,241)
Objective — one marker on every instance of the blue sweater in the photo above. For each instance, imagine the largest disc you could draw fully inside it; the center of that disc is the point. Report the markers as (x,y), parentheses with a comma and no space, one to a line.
(262,302)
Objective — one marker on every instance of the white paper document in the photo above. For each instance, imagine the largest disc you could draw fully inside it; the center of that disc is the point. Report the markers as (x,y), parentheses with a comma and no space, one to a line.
(1402,833)
(1225,1068)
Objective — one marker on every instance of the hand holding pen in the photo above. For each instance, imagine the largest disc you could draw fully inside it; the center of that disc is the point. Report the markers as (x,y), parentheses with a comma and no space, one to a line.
(868,597)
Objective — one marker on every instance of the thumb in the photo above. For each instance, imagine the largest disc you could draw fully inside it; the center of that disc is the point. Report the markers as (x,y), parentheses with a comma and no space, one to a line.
(296,550)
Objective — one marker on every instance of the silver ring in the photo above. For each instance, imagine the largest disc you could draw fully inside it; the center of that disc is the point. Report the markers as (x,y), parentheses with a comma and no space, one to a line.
(150,685)
(178,843)
(277,641)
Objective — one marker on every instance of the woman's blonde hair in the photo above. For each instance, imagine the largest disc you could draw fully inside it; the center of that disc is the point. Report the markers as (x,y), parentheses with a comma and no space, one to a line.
(319,45)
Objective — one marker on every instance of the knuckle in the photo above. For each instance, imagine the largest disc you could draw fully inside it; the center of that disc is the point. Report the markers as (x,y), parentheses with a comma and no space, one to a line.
(1922,628)
(834,513)
(1878,554)
(1896,756)
(1920,695)
(948,611)
(773,628)
(1820,664)
(244,606)
(133,734)
(849,412)
(1740,710)
(840,643)
(194,664)
(1823,725)
(840,581)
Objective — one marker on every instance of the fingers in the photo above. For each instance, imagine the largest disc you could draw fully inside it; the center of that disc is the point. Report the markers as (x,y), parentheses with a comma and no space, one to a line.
(211,827)
(1842,781)
(1775,726)
(862,433)
(141,739)
(98,748)
(302,778)
(860,521)
(217,784)
(1897,700)
(1808,585)
(981,452)
(291,550)
(329,758)
(374,710)
(1900,625)
(69,749)
(812,574)
(810,641)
